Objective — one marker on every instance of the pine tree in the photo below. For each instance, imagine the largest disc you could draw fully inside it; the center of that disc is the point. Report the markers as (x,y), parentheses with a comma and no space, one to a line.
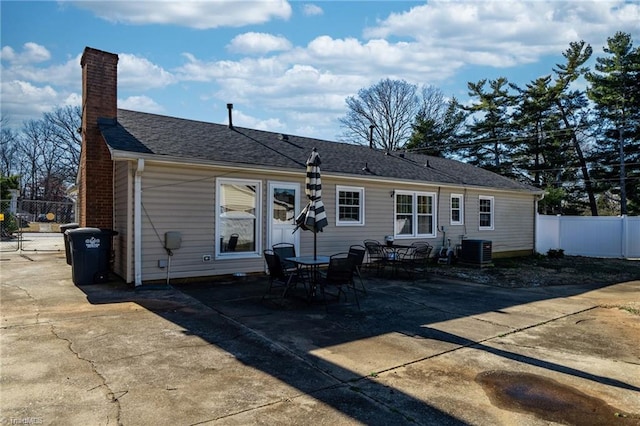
(490,133)
(572,106)
(615,89)
(543,153)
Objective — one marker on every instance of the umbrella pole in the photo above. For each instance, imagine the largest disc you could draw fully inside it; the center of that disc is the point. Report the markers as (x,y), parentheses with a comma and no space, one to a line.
(315,247)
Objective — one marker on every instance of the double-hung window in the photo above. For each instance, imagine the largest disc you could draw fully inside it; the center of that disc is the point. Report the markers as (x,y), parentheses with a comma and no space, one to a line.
(486,210)
(238,217)
(349,206)
(457,209)
(415,214)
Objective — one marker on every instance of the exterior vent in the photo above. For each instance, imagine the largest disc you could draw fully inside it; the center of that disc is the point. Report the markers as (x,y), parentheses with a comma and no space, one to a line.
(476,252)
(230,109)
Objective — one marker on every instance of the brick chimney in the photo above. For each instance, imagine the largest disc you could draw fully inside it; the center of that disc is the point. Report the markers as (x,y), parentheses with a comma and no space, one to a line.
(99,100)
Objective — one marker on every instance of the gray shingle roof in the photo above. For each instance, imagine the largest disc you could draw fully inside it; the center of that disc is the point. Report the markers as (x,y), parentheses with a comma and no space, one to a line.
(143,133)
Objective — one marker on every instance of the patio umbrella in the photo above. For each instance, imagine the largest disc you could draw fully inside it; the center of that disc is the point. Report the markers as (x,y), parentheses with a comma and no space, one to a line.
(313,217)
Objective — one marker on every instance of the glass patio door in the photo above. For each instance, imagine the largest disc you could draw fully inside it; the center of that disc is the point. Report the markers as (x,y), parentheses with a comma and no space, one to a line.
(283,202)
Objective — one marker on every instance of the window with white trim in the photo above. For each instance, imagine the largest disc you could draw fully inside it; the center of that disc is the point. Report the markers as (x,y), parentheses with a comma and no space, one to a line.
(238,217)
(349,206)
(457,209)
(486,211)
(415,214)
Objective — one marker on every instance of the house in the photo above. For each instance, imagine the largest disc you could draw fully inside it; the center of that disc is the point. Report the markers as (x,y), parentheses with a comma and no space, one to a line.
(145,175)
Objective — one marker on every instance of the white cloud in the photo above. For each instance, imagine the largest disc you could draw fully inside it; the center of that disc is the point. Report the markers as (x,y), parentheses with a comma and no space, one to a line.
(378,58)
(311,10)
(32,53)
(73,99)
(258,43)
(29,90)
(505,33)
(241,119)
(67,73)
(197,70)
(193,14)
(22,100)
(136,73)
(140,103)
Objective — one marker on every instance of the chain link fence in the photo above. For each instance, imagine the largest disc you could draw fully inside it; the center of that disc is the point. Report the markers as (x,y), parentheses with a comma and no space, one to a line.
(34,225)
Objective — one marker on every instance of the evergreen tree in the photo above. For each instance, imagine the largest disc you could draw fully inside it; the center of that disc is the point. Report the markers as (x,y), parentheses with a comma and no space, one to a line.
(491,132)
(572,106)
(543,155)
(615,89)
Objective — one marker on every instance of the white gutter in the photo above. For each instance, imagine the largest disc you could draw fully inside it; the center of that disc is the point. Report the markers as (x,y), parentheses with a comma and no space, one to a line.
(137,223)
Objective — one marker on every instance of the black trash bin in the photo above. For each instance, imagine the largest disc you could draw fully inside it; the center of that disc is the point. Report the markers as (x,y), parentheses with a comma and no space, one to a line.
(64,228)
(90,254)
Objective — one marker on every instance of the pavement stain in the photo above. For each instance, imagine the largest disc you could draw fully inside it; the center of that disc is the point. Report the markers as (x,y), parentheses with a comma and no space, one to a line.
(550,400)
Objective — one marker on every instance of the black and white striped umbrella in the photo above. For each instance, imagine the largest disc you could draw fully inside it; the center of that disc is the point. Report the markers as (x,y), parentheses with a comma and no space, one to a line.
(313,217)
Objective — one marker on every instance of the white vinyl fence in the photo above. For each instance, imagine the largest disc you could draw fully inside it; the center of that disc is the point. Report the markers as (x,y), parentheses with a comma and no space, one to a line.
(593,236)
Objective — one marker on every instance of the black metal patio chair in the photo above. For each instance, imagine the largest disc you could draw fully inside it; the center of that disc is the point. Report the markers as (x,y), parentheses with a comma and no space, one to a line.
(377,255)
(338,276)
(285,250)
(279,277)
(358,253)
(416,258)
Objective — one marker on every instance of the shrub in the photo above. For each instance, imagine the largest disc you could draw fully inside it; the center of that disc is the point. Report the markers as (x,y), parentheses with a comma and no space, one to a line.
(555,253)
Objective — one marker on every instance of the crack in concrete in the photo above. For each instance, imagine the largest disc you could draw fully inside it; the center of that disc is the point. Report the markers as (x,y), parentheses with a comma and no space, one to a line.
(33,300)
(164,350)
(486,321)
(110,393)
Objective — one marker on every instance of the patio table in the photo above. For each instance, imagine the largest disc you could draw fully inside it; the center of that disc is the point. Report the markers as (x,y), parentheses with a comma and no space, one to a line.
(394,253)
(312,264)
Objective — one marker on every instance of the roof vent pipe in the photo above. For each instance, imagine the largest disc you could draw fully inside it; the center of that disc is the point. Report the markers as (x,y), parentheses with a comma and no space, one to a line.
(230,108)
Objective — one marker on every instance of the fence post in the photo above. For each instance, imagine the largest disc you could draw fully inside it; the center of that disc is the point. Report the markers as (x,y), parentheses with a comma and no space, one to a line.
(625,236)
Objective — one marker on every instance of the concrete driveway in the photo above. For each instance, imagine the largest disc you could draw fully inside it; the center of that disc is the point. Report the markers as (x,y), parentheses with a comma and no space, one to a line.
(420,353)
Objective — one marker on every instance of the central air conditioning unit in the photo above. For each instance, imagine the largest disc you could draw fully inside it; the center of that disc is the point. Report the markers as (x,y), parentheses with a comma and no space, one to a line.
(476,252)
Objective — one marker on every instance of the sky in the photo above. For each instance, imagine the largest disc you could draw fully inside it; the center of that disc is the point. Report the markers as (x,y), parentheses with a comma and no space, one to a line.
(287,66)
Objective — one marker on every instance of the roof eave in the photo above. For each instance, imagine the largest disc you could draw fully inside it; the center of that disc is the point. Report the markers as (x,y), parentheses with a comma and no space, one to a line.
(119,155)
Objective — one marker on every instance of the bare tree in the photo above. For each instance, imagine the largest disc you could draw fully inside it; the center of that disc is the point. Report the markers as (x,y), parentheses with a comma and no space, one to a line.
(8,149)
(31,147)
(437,123)
(64,123)
(49,153)
(390,106)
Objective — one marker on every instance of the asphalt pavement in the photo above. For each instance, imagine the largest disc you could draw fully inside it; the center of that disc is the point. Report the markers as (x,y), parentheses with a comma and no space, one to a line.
(423,352)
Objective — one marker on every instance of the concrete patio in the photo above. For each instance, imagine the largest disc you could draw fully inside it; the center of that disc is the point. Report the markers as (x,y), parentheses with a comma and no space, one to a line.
(423,352)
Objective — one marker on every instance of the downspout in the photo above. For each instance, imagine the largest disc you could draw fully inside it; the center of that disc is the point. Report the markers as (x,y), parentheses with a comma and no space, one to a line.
(137,223)
(536,224)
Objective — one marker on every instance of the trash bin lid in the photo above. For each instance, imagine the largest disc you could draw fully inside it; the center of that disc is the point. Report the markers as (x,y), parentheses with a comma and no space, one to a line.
(65,227)
(82,231)
(96,232)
